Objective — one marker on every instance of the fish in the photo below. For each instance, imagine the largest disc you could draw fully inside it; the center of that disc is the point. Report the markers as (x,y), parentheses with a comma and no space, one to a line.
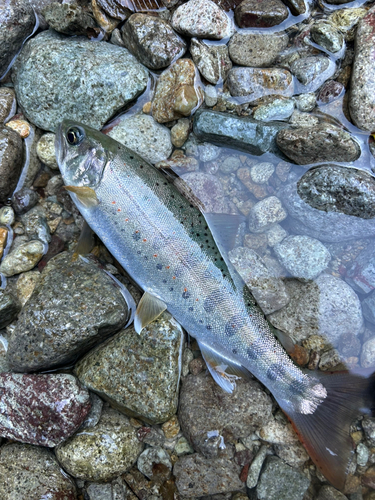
(179,257)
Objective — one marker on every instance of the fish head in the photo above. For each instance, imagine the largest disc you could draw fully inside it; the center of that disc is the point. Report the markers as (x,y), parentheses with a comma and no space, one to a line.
(80,154)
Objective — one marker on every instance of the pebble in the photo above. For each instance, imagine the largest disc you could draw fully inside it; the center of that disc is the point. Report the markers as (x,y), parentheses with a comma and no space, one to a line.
(93,416)
(101,452)
(175,95)
(3,240)
(171,428)
(297,7)
(242,133)
(256,467)
(45,149)
(104,20)
(368,308)
(260,13)
(363,455)
(312,71)
(11,161)
(368,425)
(24,200)
(327,492)
(145,383)
(275,235)
(261,172)
(327,307)
(258,50)
(212,61)
(204,408)
(115,9)
(93,309)
(269,291)
(361,273)
(7,103)
(330,91)
(9,308)
(305,102)
(183,447)
(22,127)
(197,476)
(368,353)
(142,134)
(303,257)
(210,96)
(17,22)
(321,143)
(361,98)
(331,361)
(35,225)
(259,82)
(104,86)
(22,258)
(180,132)
(325,34)
(202,19)
(152,41)
(346,19)
(31,472)
(70,19)
(265,213)
(277,109)
(150,457)
(7,215)
(41,409)
(279,481)
(116,490)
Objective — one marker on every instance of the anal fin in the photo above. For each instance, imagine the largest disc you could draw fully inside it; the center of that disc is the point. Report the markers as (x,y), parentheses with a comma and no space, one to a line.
(224,371)
(149,308)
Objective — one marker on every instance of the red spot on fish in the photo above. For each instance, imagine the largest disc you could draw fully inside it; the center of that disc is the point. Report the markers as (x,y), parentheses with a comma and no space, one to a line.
(144,239)
(155,254)
(196,300)
(168,267)
(185,289)
(137,231)
(126,220)
(174,277)
(113,202)
(119,210)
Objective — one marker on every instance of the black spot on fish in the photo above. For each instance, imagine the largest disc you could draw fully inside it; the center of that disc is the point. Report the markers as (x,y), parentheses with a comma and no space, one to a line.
(131,157)
(209,327)
(159,266)
(297,387)
(185,295)
(234,351)
(201,321)
(191,308)
(164,281)
(171,289)
(136,236)
(139,252)
(234,324)
(213,300)
(145,257)
(252,353)
(275,371)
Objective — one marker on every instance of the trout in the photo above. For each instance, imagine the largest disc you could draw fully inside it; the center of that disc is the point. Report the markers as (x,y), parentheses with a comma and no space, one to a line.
(178,256)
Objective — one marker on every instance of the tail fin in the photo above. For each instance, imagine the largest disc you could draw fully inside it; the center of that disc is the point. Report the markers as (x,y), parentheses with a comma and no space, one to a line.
(325,433)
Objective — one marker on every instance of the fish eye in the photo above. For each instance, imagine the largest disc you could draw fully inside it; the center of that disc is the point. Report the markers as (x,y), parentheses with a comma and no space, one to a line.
(74,136)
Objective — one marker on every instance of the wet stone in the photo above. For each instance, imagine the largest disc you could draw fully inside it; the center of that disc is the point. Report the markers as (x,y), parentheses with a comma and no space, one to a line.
(183,447)
(368,353)
(74,305)
(41,409)
(296,7)
(197,476)
(277,109)
(368,308)
(180,132)
(321,143)
(255,467)
(10,162)
(302,256)
(171,428)
(45,149)
(70,19)
(212,61)
(265,213)
(327,492)
(269,291)
(312,71)
(104,86)
(204,407)
(346,19)
(23,258)
(148,458)
(326,35)
(142,134)
(7,103)
(361,274)
(115,9)
(175,95)
(24,200)
(35,225)
(32,472)
(330,91)
(368,425)
(331,360)
(260,13)
(261,172)
(202,19)
(152,436)
(101,452)
(243,133)
(259,82)
(278,481)
(144,383)
(9,308)
(152,41)
(361,99)
(327,307)
(305,102)
(7,215)
(104,20)
(256,49)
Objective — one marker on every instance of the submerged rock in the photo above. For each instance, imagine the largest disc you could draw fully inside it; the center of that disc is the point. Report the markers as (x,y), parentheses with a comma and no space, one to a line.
(7,103)
(11,160)
(9,308)
(257,49)
(260,13)
(70,19)
(73,306)
(212,61)
(22,258)
(361,273)
(253,83)
(96,86)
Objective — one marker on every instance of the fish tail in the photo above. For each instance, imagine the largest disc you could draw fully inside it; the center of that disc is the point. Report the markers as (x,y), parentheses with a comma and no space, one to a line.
(325,431)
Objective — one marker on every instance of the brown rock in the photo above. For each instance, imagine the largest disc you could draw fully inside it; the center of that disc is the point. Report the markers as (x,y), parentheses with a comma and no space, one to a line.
(260,13)
(11,158)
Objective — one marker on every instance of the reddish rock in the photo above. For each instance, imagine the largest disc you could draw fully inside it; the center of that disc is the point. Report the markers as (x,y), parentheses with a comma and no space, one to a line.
(260,13)
(41,409)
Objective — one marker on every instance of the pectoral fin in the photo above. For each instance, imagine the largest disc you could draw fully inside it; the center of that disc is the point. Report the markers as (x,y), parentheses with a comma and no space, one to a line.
(85,195)
(149,308)
(225,371)
(85,242)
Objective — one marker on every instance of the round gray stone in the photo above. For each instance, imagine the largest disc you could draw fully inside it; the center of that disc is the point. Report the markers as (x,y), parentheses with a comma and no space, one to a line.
(279,481)
(257,49)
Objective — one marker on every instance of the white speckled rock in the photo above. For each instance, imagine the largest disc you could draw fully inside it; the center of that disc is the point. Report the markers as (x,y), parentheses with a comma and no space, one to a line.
(45,149)
(23,258)
(265,213)
(368,353)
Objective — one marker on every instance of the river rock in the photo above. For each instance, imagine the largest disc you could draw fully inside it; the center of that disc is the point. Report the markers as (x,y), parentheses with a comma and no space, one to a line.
(212,61)
(312,71)
(70,19)
(297,7)
(268,290)
(361,273)
(142,134)
(9,308)
(326,307)
(139,374)
(323,142)
(260,13)
(11,161)
(368,308)
(45,150)
(24,200)
(115,8)
(258,82)
(361,97)
(278,108)
(278,481)
(148,458)
(32,472)
(201,19)
(95,87)
(7,103)
(22,258)
(333,188)
(243,133)
(41,409)
(265,213)
(175,95)
(325,226)
(102,452)
(325,34)
(257,49)
(197,476)
(152,41)
(74,305)
(205,407)
(303,257)
(17,21)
